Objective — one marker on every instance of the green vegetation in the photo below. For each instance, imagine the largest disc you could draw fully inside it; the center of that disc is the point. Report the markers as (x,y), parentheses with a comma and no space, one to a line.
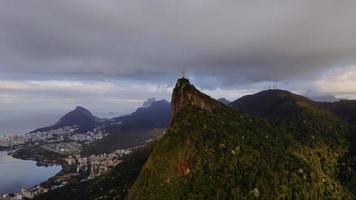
(226,154)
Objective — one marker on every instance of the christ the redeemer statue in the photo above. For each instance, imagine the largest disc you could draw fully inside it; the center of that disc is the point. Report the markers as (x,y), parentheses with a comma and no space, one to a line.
(184,74)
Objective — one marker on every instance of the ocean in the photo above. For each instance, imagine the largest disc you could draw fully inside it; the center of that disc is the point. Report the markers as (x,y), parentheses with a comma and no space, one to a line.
(20,122)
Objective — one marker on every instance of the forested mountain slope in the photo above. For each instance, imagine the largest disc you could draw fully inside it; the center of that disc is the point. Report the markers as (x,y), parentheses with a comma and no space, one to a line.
(211,151)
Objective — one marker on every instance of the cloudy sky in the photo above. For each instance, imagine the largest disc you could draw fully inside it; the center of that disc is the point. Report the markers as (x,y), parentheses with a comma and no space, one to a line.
(110,55)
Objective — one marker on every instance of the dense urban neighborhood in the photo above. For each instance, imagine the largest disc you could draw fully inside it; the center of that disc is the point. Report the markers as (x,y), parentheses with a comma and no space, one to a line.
(77,166)
(56,136)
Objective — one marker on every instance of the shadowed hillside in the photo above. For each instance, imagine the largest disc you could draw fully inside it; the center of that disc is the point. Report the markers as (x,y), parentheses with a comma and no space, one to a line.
(133,129)
(345,109)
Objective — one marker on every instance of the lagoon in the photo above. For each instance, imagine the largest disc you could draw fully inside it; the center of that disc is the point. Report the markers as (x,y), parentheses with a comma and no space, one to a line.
(16,174)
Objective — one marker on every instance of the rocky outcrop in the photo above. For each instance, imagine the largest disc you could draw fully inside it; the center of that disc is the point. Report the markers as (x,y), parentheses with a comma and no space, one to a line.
(185,94)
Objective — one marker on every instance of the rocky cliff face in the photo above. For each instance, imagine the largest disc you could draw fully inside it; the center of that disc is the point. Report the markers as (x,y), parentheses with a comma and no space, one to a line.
(185,94)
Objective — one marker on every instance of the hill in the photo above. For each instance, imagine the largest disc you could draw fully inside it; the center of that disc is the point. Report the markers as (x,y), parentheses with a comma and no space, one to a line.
(322,113)
(281,104)
(133,129)
(345,109)
(276,105)
(224,101)
(80,117)
(211,151)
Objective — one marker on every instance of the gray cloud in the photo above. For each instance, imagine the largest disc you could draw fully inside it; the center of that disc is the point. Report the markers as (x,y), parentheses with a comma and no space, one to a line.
(111,55)
(234,41)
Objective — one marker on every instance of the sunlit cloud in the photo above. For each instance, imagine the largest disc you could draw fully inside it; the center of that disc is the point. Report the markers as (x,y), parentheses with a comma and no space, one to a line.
(92,86)
(230,94)
(117,95)
(339,81)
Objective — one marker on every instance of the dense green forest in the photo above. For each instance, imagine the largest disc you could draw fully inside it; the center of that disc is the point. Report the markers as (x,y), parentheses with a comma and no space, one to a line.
(226,154)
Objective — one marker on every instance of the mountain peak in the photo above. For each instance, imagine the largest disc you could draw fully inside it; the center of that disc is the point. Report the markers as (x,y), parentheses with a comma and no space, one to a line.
(80,108)
(183,82)
(224,101)
(185,94)
(78,116)
(275,104)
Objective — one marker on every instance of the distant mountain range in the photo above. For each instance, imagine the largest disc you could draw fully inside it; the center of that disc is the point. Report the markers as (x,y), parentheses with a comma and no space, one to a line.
(324,98)
(129,130)
(224,101)
(134,129)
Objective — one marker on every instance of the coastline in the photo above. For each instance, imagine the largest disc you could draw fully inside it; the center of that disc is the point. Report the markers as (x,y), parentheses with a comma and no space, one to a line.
(37,154)
(41,161)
